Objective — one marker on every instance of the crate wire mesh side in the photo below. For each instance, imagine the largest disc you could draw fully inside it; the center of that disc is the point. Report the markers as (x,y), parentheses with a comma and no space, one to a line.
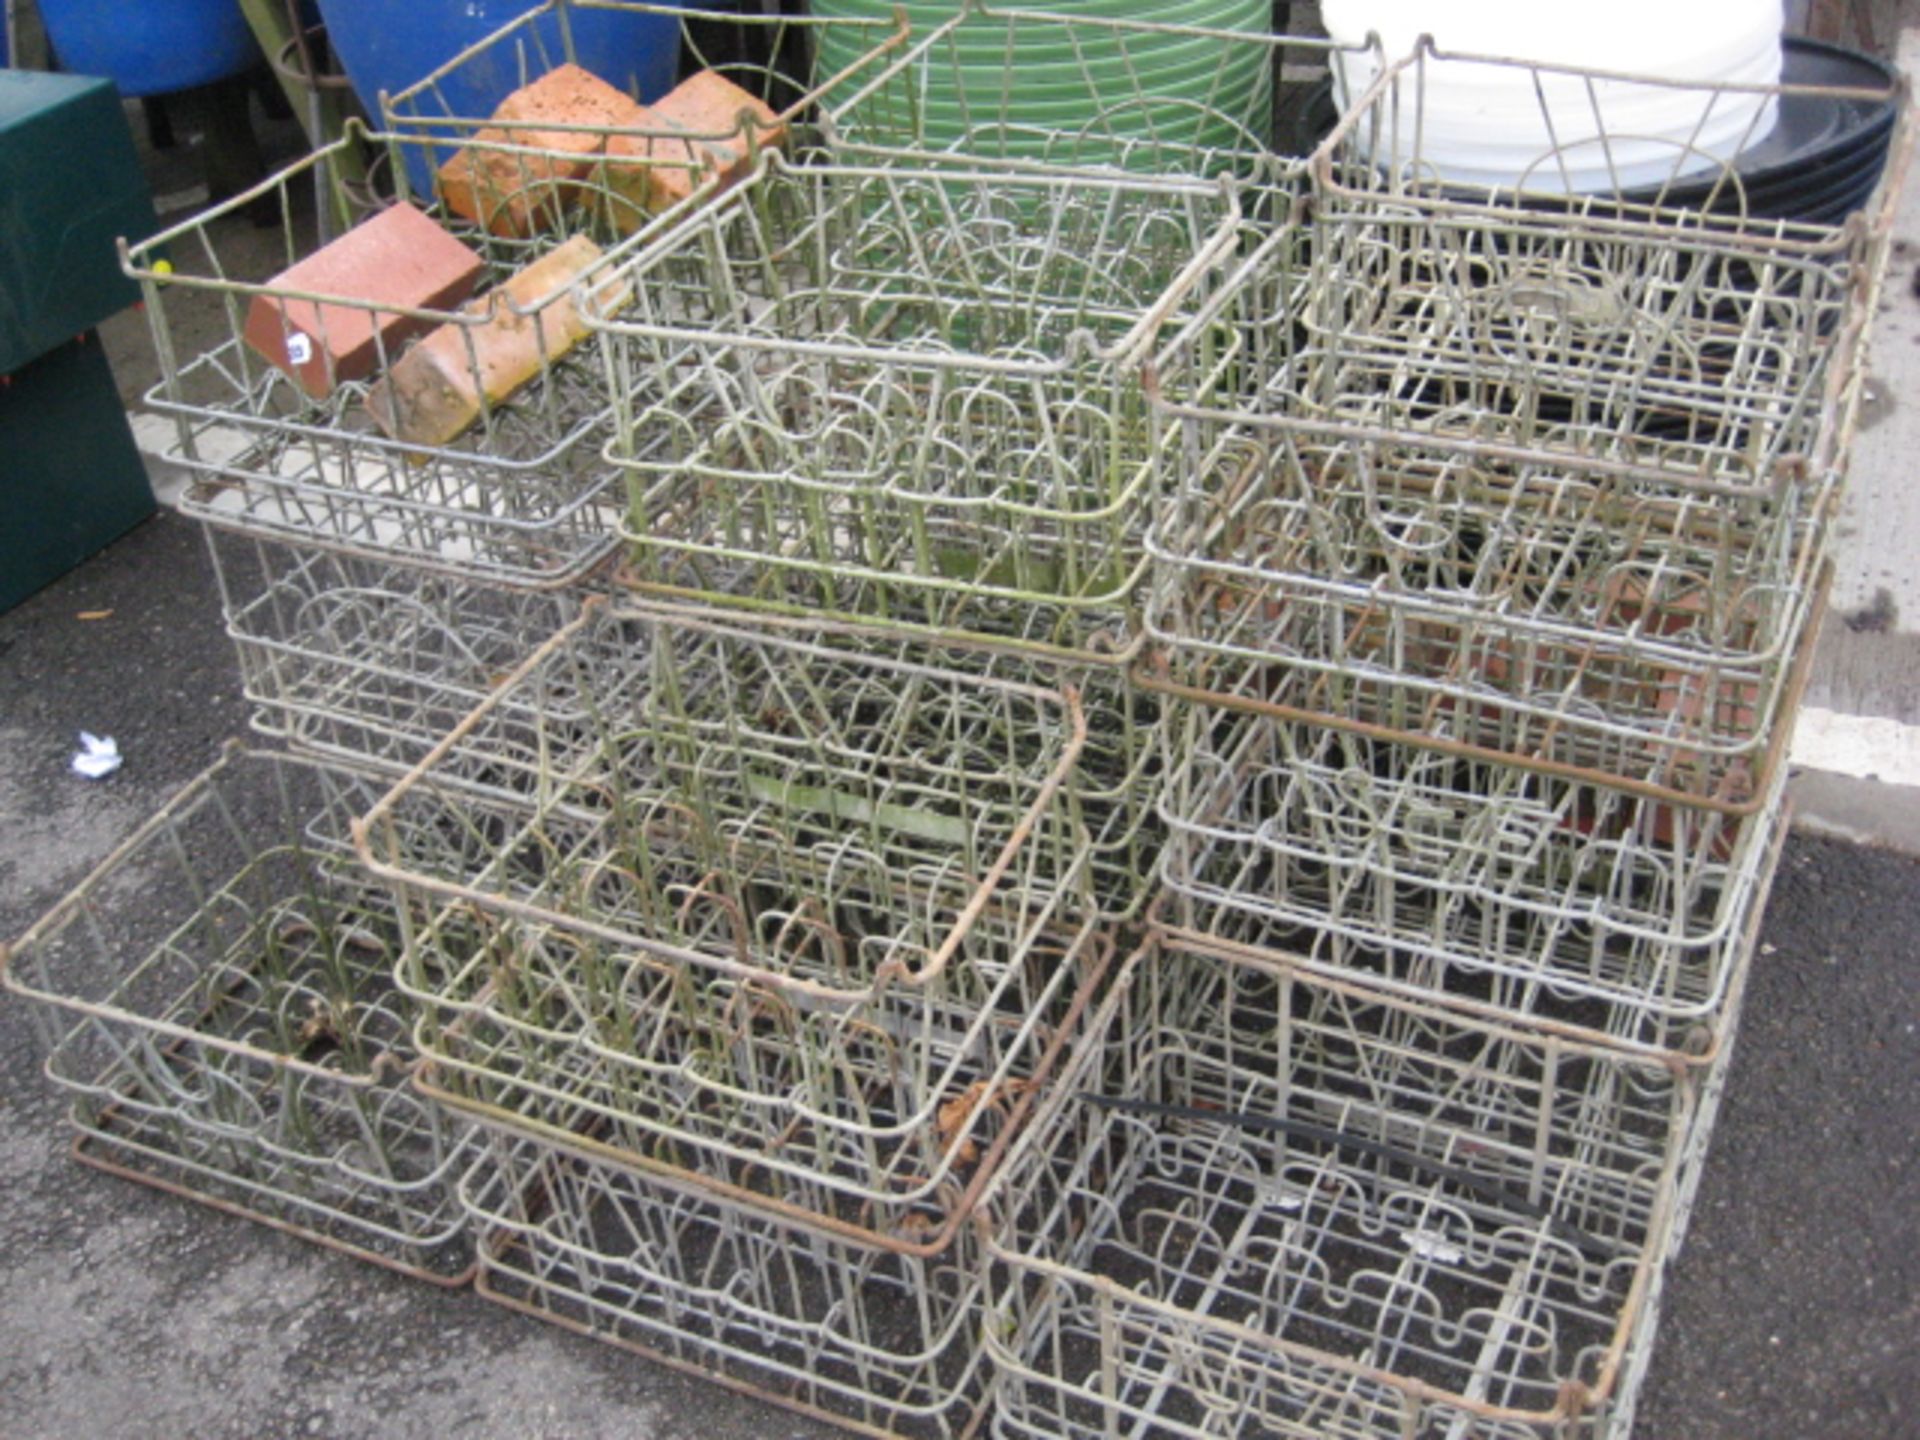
(771,56)
(1596,617)
(1112,793)
(879,1342)
(368,662)
(878,1122)
(1558,900)
(522,498)
(889,384)
(1094,92)
(812,914)
(1265,1203)
(1717,361)
(217,996)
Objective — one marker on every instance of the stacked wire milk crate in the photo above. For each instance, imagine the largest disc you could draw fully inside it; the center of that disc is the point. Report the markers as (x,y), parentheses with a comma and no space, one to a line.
(1486,572)
(1044,773)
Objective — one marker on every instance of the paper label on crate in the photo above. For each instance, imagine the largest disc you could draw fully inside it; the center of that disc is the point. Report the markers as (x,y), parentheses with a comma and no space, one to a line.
(299,347)
(1431,1246)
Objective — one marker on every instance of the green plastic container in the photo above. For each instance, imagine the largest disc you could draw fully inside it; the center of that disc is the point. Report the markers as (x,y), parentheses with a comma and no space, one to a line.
(1157,92)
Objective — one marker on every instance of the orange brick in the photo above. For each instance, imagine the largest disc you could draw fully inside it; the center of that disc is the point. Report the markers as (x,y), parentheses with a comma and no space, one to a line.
(441,385)
(515,195)
(712,118)
(397,258)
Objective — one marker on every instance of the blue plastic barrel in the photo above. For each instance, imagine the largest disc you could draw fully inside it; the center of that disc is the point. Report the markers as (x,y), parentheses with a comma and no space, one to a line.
(150,47)
(384,46)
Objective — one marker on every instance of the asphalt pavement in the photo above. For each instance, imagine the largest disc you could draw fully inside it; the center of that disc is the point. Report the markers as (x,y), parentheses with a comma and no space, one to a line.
(1793,1313)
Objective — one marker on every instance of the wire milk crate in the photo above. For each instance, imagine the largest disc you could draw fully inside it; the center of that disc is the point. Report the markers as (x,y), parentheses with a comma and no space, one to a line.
(1268,1203)
(871,1339)
(795,913)
(877,1123)
(364,661)
(779,70)
(218,998)
(897,384)
(1583,614)
(1117,777)
(1050,88)
(318,418)
(1561,901)
(1654,310)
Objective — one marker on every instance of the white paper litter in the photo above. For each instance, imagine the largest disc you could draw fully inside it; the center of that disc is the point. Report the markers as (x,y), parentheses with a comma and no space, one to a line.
(1430,1246)
(98,757)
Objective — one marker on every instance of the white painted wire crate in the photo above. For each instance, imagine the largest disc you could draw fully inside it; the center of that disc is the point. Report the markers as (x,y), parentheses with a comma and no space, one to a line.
(1657,311)
(1555,900)
(810,913)
(905,386)
(365,661)
(1268,1204)
(218,998)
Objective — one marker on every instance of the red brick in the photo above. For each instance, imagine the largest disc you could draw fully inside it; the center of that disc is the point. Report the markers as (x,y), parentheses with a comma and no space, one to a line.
(708,109)
(397,259)
(437,388)
(515,195)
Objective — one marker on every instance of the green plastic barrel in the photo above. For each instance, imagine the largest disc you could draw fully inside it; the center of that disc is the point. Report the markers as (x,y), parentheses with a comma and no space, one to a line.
(1163,90)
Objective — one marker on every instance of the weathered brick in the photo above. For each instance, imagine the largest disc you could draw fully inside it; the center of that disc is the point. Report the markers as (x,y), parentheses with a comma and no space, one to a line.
(515,195)
(440,386)
(398,259)
(708,108)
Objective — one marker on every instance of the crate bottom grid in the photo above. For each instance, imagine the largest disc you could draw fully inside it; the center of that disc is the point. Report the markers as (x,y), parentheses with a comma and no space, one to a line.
(1278,1205)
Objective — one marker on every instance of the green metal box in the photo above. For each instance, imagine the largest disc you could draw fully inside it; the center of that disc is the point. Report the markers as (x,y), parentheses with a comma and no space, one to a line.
(71,481)
(70,186)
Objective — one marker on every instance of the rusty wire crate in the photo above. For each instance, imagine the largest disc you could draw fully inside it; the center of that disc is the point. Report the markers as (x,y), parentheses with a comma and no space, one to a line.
(894,385)
(877,1123)
(879,1333)
(1590,616)
(1549,898)
(812,914)
(1269,1203)
(369,662)
(875,1340)
(218,999)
